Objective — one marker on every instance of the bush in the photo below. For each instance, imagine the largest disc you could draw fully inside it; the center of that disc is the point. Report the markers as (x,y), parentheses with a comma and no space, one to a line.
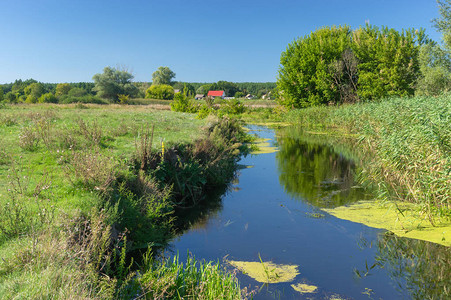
(48,98)
(160,91)
(182,103)
(84,99)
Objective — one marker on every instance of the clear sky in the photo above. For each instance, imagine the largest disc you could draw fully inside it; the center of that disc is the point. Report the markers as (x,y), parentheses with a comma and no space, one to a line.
(200,40)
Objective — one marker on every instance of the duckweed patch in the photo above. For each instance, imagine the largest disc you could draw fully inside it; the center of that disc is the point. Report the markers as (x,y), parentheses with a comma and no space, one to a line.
(304,288)
(403,219)
(267,272)
(264,147)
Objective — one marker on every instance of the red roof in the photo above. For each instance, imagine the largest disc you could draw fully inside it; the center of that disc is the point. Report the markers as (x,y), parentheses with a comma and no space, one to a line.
(216,93)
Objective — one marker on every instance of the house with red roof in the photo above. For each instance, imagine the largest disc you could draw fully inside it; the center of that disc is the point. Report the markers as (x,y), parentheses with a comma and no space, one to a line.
(214,94)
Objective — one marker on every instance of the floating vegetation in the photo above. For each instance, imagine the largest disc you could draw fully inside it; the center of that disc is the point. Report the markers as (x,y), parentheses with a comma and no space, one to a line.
(403,219)
(266,272)
(264,146)
(315,215)
(335,297)
(304,288)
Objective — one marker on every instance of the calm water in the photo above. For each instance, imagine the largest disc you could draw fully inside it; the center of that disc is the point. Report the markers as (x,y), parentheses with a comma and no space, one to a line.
(273,210)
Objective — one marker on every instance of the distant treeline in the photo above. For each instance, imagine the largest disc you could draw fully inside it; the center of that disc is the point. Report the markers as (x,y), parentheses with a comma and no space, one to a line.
(32,91)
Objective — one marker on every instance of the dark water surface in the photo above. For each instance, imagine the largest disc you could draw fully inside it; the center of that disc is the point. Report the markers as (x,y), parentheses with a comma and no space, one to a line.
(273,210)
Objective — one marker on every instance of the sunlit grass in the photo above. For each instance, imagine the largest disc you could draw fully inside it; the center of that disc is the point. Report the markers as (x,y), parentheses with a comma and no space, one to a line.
(408,141)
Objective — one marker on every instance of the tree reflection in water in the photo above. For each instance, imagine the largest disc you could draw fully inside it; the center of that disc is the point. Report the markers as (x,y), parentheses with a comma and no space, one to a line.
(311,170)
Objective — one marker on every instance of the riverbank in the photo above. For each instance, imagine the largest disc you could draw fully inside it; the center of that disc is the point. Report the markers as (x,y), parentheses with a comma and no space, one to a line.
(84,185)
(403,146)
(409,141)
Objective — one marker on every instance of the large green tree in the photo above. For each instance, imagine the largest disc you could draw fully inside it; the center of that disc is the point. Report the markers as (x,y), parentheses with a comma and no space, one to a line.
(33,92)
(163,75)
(304,76)
(388,61)
(336,65)
(113,82)
(62,89)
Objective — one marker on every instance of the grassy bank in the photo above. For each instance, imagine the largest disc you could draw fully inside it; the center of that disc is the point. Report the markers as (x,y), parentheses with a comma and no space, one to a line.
(83,185)
(407,142)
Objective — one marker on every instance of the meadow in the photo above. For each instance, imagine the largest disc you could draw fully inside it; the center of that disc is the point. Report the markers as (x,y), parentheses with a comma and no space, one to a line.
(83,185)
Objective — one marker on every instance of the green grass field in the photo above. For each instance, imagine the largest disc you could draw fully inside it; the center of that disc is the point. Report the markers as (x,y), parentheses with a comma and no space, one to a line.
(68,182)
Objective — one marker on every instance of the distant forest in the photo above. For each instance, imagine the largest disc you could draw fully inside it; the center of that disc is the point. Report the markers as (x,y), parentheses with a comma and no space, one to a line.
(32,91)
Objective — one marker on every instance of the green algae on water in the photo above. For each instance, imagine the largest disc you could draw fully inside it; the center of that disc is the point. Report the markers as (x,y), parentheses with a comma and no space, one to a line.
(264,146)
(267,272)
(403,219)
(304,288)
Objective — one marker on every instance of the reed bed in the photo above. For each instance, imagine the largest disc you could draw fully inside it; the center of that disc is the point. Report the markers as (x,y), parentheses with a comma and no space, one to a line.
(405,145)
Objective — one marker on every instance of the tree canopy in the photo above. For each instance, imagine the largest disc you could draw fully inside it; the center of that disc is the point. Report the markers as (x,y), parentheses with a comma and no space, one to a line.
(163,75)
(112,83)
(336,65)
(160,91)
(443,23)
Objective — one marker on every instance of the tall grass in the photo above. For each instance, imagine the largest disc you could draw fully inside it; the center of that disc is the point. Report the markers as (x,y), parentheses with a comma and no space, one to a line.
(91,195)
(172,279)
(409,142)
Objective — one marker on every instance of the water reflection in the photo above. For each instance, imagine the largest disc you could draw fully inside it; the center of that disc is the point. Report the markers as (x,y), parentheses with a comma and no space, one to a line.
(256,218)
(420,268)
(311,170)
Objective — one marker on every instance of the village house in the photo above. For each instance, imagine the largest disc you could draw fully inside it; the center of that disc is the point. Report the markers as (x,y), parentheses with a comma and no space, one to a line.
(214,94)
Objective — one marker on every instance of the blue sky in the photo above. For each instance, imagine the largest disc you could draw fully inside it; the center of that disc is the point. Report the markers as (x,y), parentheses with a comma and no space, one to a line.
(201,41)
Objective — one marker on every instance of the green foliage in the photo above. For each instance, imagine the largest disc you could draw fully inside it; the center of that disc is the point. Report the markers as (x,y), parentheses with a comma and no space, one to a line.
(304,76)
(388,61)
(185,87)
(239,95)
(82,99)
(124,99)
(113,82)
(398,134)
(204,111)
(171,279)
(1,94)
(163,75)
(47,98)
(435,67)
(443,23)
(336,65)
(160,91)
(182,103)
(232,107)
(230,88)
(203,89)
(10,97)
(33,92)
(254,87)
(62,89)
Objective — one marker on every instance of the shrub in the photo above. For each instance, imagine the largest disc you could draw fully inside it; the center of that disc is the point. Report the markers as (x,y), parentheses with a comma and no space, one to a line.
(182,103)
(160,91)
(29,138)
(47,98)
(66,99)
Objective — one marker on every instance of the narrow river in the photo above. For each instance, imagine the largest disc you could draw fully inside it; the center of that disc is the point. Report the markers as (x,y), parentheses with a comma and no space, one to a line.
(273,212)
